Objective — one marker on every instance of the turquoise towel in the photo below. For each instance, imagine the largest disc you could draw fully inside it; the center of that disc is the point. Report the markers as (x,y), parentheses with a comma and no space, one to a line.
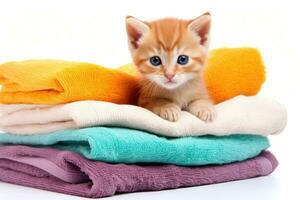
(121,145)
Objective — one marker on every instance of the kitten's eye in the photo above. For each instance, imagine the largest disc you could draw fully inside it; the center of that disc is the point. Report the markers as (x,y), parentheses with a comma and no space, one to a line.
(182,59)
(155,60)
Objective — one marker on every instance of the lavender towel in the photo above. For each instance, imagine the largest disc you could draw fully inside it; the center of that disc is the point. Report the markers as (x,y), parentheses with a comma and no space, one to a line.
(70,173)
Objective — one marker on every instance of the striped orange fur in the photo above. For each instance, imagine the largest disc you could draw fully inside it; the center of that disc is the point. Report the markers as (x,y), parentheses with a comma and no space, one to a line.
(170,54)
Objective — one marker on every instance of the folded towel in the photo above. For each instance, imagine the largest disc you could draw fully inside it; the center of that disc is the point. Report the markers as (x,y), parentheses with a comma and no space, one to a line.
(54,81)
(243,115)
(132,146)
(69,173)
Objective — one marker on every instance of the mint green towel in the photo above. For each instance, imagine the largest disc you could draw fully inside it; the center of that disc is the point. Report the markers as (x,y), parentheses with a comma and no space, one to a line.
(121,145)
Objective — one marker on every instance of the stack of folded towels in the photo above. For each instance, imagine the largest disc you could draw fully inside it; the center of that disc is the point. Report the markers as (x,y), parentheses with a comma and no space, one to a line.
(69,127)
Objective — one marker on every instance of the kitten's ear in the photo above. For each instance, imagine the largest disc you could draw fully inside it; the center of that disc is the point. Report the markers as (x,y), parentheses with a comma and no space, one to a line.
(136,29)
(201,26)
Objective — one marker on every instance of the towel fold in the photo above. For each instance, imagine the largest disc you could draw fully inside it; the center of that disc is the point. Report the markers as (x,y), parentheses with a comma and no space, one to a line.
(132,146)
(243,115)
(57,81)
(69,173)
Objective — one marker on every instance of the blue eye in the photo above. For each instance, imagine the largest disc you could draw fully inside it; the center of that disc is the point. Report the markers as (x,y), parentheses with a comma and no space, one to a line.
(155,60)
(182,59)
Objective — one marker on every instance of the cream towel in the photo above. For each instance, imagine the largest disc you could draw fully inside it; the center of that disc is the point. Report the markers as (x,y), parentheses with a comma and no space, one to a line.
(240,115)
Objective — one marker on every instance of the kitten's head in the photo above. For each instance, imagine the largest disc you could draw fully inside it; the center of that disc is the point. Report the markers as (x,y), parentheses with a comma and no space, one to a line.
(169,51)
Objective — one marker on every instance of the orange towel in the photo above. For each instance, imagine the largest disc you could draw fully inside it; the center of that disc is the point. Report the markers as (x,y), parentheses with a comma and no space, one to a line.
(234,71)
(229,72)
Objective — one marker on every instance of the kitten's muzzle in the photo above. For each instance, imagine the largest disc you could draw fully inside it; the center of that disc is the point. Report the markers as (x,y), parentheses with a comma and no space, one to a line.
(169,77)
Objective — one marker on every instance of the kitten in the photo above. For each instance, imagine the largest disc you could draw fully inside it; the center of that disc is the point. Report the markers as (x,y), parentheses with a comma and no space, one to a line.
(170,54)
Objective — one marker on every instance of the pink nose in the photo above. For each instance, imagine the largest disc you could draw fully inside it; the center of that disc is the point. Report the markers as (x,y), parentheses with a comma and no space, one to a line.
(169,76)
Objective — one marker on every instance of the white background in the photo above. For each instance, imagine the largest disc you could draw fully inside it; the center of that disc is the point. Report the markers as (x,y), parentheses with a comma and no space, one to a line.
(94,31)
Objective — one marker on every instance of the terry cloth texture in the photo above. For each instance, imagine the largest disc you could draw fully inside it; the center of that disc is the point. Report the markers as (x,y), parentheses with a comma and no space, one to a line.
(243,115)
(56,81)
(132,146)
(69,173)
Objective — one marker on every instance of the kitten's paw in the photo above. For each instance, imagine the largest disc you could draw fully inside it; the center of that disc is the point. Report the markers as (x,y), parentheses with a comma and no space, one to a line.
(204,111)
(170,112)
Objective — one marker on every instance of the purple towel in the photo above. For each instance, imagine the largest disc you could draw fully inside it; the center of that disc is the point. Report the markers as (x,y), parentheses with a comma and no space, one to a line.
(70,173)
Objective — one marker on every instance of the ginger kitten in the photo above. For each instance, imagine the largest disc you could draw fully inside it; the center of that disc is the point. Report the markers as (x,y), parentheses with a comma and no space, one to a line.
(170,54)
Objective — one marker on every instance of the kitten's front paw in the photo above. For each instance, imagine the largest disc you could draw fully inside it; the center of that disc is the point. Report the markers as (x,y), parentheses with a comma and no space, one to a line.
(204,111)
(170,111)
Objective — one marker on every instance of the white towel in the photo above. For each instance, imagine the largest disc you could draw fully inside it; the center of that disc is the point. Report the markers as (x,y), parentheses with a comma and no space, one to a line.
(240,115)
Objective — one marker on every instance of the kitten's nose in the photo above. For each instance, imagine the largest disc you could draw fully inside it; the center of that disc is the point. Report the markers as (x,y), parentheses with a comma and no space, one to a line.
(169,77)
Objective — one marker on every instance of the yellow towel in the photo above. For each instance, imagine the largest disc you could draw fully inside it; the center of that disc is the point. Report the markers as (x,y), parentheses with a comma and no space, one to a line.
(228,72)
(54,81)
